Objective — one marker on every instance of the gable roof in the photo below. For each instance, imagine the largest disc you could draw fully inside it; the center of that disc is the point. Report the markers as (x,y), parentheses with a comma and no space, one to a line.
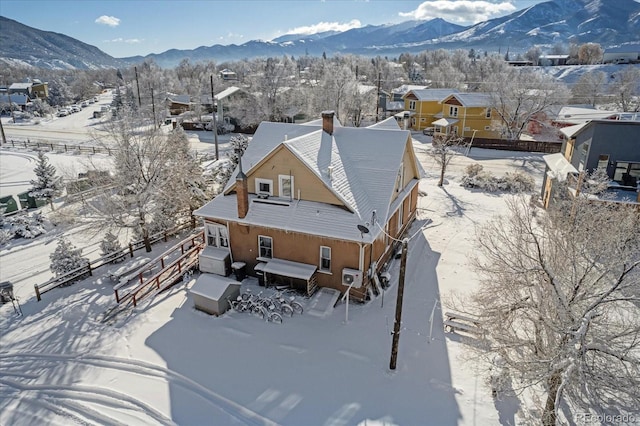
(431,94)
(228,92)
(364,165)
(470,100)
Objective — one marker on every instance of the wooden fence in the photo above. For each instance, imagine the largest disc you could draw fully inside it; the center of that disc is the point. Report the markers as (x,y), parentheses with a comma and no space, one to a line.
(79,149)
(519,145)
(85,271)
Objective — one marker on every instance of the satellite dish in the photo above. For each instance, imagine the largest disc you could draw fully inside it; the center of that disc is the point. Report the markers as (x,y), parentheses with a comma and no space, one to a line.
(363,229)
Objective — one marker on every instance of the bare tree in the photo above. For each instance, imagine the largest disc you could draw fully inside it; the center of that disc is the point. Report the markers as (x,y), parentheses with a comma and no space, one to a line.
(590,53)
(443,149)
(625,88)
(589,88)
(560,304)
(517,96)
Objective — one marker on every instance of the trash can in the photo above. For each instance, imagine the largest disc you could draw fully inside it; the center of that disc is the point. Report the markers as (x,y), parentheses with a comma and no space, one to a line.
(259,270)
(240,270)
(6,292)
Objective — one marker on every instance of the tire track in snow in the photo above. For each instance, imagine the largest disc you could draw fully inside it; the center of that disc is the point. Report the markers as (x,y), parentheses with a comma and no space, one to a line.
(146,369)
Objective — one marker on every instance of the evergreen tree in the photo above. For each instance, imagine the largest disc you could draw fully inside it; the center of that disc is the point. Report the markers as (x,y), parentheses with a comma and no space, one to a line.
(46,185)
(109,245)
(66,258)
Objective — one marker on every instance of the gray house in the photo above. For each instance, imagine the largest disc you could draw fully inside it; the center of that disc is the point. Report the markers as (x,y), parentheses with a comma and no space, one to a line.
(612,145)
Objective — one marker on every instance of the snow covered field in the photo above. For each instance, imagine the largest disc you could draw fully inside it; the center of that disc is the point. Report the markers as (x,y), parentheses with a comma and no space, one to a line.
(166,363)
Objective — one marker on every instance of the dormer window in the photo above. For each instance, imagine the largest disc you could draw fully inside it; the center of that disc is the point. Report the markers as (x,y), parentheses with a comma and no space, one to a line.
(453,111)
(412,105)
(264,186)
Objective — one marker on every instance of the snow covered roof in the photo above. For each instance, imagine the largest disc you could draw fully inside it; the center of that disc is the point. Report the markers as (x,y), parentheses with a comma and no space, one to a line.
(291,269)
(20,86)
(390,123)
(473,99)
(212,286)
(559,167)
(16,98)
(227,92)
(432,94)
(445,122)
(570,131)
(364,161)
(407,87)
(179,99)
(577,115)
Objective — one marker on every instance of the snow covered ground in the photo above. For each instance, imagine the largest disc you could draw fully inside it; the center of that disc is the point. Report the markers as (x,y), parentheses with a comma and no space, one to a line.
(166,363)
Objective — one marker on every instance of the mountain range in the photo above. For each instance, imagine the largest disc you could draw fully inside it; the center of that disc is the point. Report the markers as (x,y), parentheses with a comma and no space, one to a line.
(608,23)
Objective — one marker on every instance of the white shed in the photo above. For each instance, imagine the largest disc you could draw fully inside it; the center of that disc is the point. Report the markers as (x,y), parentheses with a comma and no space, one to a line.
(210,293)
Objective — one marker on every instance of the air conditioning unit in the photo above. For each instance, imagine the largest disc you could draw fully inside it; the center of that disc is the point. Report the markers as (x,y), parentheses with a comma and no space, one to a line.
(352,277)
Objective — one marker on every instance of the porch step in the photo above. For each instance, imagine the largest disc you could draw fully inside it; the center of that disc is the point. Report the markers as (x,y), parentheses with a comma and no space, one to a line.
(322,304)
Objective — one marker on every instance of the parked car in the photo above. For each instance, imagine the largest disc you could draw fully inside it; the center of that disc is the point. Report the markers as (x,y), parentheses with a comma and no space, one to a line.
(63,112)
(84,104)
(75,108)
(428,131)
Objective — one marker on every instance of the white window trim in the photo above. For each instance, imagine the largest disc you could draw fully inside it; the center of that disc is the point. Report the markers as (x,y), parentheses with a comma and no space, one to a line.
(260,256)
(400,215)
(320,268)
(400,178)
(453,111)
(268,181)
(488,113)
(412,105)
(487,127)
(281,186)
(217,234)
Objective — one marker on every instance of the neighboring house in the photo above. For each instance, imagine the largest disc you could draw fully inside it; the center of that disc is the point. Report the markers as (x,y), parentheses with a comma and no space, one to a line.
(19,99)
(424,105)
(317,204)
(552,60)
(25,88)
(572,115)
(612,145)
(178,104)
(467,115)
(39,89)
(624,54)
(228,75)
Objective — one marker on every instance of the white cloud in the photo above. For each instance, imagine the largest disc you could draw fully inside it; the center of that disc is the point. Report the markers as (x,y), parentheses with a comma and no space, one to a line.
(111,21)
(124,40)
(460,11)
(325,26)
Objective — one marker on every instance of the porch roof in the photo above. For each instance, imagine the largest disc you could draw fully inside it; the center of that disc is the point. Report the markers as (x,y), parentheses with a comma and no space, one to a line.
(559,167)
(445,122)
(288,268)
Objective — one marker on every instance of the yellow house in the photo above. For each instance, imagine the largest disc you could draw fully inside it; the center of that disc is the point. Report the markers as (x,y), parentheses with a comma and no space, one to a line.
(317,204)
(423,105)
(468,115)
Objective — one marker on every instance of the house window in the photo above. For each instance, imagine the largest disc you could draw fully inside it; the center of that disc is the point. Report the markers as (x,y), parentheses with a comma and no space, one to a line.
(603,161)
(412,105)
(625,171)
(217,236)
(400,215)
(488,113)
(264,186)
(285,183)
(487,127)
(453,111)
(265,246)
(400,178)
(325,259)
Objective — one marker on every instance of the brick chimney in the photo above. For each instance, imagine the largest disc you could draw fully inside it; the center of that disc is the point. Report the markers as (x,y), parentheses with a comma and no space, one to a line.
(242,191)
(327,121)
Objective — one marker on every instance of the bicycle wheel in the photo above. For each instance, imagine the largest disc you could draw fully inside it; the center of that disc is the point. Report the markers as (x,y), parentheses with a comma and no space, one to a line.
(297,308)
(275,317)
(286,310)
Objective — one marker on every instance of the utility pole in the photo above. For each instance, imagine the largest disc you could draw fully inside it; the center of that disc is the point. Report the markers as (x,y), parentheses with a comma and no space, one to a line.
(13,117)
(153,107)
(213,116)
(398,321)
(138,86)
(378,100)
(4,137)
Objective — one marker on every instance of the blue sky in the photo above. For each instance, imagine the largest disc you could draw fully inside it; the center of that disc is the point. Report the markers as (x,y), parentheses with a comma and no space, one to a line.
(127,28)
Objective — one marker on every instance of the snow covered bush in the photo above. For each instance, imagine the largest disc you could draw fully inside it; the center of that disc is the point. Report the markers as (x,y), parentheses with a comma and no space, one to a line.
(111,245)
(6,236)
(27,226)
(515,182)
(66,258)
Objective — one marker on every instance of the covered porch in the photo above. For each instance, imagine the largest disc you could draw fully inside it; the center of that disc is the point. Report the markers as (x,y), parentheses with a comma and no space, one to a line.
(286,273)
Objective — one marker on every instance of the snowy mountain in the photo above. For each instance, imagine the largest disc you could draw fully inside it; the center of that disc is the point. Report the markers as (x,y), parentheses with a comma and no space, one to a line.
(20,44)
(609,23)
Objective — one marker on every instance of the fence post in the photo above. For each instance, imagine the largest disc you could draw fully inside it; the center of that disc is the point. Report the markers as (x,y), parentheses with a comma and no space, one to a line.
(165,236)
(117,296)
(90,270)
(130,249)
(94,149)
(37,289)
(65,147)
